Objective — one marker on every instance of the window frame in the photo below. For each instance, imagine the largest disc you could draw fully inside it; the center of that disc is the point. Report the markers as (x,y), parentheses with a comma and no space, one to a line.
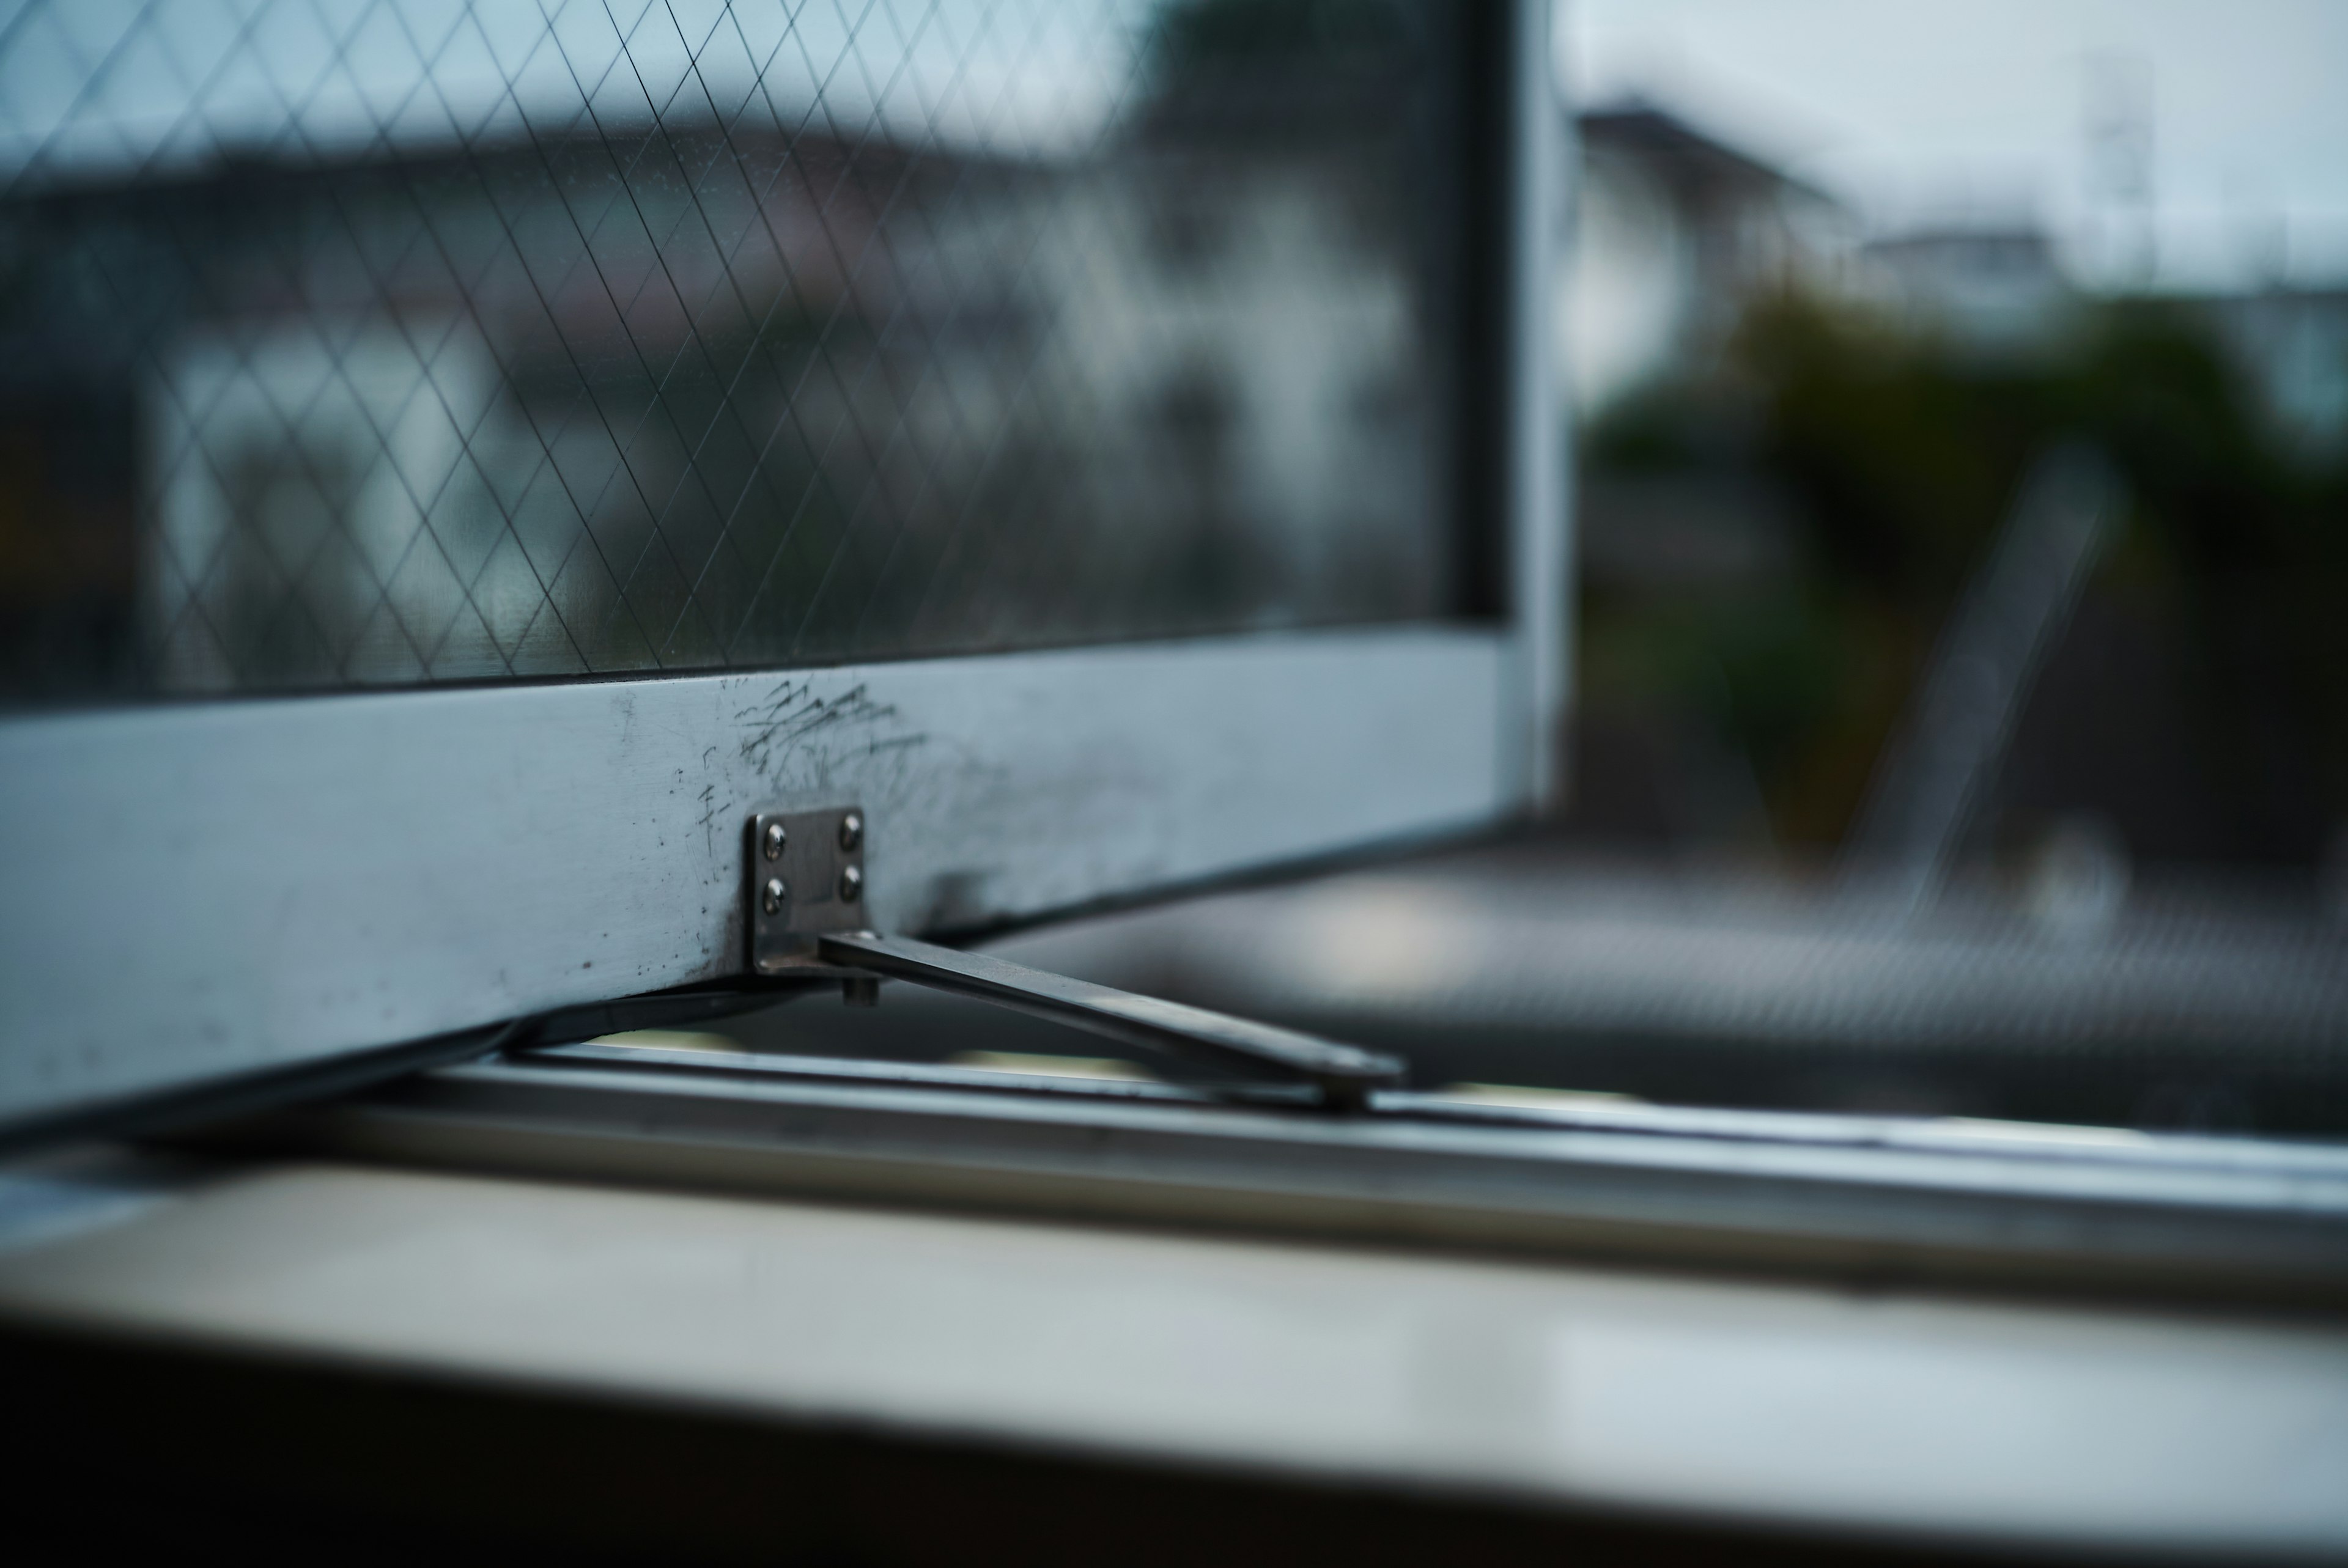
(199,893)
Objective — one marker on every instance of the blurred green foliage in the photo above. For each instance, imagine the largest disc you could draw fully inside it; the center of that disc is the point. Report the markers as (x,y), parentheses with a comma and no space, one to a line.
(1897,452)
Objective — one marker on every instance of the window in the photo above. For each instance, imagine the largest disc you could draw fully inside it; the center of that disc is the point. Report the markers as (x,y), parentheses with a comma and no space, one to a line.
(462,462)
(693,422)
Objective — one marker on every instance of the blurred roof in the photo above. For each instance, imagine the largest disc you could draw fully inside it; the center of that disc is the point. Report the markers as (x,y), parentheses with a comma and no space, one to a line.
(1700,165)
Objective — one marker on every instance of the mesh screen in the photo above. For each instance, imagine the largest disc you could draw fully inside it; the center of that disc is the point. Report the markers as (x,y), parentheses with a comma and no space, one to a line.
(353,342)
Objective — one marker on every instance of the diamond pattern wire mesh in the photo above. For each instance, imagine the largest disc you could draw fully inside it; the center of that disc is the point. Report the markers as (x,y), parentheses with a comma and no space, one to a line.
(360,341)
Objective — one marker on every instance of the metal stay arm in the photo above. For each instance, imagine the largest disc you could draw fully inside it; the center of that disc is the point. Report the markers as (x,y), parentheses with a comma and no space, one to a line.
(1344,1074)
(807,916)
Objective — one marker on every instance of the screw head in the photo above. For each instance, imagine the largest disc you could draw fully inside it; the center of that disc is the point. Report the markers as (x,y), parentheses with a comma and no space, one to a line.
(774,840)
(851,830)
(851,884)
(777,896)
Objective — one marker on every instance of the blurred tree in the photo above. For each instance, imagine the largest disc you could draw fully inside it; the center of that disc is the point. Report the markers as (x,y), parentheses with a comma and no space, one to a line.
(1898,452)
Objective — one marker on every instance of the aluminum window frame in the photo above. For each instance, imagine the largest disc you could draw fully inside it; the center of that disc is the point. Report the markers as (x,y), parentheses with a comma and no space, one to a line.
(199,893)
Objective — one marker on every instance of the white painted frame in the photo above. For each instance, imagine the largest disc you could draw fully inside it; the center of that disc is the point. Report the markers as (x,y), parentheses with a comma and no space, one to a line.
(194,892)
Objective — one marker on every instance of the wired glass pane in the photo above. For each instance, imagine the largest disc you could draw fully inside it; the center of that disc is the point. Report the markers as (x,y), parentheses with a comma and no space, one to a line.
(347,343)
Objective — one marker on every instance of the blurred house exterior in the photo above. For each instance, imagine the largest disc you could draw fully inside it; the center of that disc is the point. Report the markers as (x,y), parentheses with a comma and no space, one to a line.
(1677,232)
(2294,343)
(703,394)
(1996,287)
(1674,230)
(1211,346)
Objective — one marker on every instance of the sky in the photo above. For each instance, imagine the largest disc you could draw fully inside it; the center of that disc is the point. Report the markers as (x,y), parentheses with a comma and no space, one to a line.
(1927,113)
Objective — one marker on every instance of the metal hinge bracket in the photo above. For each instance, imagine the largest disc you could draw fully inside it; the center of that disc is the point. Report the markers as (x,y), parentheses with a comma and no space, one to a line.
(805,877)
(806,893)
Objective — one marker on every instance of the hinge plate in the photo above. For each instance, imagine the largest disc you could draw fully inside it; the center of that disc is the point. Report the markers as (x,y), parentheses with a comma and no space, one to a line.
(805,877)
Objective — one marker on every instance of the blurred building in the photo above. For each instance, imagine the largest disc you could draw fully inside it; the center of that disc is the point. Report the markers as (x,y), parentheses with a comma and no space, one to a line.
(734,391)
(1800,446)
(1675,230)
(1678,229)
(2294,344)
(1214,350)
(1995,286)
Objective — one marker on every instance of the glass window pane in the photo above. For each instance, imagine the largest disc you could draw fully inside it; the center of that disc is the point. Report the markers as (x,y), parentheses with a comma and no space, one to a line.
(398,341)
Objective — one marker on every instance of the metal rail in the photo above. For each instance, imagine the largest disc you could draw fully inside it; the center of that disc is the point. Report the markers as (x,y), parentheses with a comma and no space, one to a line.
(1871,1202)
(1344,1074)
